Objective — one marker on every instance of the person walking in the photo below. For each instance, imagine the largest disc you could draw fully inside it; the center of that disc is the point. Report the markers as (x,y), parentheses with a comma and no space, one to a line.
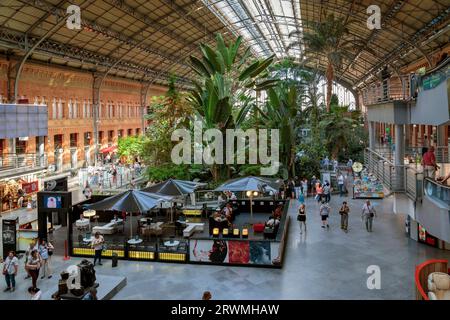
(368,213)
(87,191)
(35,293)
(327,191)
(207,295)
(27,255)
(298,186)
(301,217)
(34,265)
(44,248)
(97,244)
(429,163)
(10,268)
(340,181)
(305,187)
(325,210)
(313,185)
(345,209)
(319,192)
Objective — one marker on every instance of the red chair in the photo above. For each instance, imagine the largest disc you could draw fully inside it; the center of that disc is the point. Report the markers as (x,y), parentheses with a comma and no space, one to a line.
(258,227)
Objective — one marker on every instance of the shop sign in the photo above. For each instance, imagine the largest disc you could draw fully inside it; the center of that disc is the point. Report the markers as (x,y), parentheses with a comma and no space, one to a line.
(425,237)
(23,138)
(30,187)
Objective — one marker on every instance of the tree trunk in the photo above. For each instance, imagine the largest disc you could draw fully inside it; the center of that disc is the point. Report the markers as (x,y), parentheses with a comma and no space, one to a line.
(330,76)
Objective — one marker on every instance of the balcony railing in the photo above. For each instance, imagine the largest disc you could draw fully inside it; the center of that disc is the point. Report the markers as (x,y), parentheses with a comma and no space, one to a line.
(396,178)
(392,89)
(27,160)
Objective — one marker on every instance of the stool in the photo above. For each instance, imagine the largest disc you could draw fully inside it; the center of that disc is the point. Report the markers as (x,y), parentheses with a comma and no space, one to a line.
(236,233)
(245,233)
(216,232)
(225,232)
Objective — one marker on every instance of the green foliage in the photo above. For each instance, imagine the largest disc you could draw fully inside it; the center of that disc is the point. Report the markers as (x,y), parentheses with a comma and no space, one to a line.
(130,147)
(330,37)
(166,113)
(181,172)
(221,96)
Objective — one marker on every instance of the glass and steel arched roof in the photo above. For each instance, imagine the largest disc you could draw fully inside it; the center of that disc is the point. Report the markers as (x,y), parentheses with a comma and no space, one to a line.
(150,39)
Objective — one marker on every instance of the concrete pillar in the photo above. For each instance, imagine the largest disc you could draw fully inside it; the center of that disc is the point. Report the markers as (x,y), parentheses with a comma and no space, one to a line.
(399,154)
(371,135)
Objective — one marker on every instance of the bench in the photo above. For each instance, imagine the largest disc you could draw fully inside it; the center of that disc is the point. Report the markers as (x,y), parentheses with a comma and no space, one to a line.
(193,227)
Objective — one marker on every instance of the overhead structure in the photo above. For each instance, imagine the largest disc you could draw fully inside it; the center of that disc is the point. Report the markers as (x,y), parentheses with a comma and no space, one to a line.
(410,30)
(149,40)
(173,187)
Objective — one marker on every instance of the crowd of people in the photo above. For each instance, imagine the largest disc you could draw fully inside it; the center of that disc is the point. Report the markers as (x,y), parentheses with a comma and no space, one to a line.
(37,261)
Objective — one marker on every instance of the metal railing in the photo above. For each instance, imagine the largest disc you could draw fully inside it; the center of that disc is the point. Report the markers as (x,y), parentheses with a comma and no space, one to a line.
(396,178)
(392,89)
(414,153)
(102,177)
(11,161)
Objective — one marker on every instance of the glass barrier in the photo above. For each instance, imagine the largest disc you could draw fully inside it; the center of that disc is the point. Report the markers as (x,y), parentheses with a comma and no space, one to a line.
(437,191)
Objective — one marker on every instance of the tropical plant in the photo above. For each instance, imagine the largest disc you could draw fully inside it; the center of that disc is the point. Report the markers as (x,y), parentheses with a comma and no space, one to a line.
(336,126)
(280,112)
(221,96)
(166,113)
(130,147)
(331,37)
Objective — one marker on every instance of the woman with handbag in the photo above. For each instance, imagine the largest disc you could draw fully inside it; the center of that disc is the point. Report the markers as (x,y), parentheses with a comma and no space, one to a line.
(33,266)
(345,209)
(301,217)
(10,268)
(44,250)
(368,213)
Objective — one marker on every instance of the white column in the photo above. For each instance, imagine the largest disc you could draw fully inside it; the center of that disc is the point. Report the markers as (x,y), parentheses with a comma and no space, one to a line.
(371,135)
(41,151)
(399,154)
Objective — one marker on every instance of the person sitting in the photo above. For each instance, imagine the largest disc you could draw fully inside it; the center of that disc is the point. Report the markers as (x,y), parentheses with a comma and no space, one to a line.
(278,211)
(233,196)
(228,212)
(272,222)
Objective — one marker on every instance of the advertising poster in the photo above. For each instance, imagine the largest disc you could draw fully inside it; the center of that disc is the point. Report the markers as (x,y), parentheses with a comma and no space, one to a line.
(260,252)
(214,251)
(427,238)
(238,252)
(52,202)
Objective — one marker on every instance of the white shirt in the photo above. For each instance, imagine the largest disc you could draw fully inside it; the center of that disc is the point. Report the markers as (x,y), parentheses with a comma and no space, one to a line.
(341,179)
(98,243)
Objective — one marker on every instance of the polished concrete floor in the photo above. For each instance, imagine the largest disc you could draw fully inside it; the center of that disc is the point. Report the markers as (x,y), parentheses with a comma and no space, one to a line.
(321,264)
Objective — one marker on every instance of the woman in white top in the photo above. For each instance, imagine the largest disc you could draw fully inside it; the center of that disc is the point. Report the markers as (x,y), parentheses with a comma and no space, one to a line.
(97,244)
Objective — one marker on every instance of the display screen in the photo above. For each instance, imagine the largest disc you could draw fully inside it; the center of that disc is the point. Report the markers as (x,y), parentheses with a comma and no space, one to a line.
(52,202)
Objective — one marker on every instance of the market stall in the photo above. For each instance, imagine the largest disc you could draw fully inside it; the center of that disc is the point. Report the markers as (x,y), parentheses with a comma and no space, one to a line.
(367,186)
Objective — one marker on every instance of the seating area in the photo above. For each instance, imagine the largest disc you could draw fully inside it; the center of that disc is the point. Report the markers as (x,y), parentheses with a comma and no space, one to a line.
(109,228)
(439,286)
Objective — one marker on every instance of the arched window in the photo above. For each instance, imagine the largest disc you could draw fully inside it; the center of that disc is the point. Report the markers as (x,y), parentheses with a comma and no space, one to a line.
(75,109)
(60,109)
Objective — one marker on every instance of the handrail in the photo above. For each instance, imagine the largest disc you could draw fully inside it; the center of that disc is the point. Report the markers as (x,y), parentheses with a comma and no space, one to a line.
(391,89)
(396,178)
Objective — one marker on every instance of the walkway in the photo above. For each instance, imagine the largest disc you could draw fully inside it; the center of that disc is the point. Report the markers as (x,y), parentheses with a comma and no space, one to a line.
(321,265)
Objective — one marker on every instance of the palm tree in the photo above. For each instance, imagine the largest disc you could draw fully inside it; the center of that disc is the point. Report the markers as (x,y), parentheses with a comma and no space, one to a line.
(336,126)
(221,95)
(330,38)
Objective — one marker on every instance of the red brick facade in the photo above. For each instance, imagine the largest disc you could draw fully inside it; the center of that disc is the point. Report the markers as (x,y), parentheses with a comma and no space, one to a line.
(68,95)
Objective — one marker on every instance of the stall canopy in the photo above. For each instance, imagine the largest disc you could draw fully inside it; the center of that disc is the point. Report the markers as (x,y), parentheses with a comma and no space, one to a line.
(130,201)
(174,187)
(108,149)
(250,183)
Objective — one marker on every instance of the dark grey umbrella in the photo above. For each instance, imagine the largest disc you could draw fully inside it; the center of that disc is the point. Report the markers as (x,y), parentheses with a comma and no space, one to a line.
(249,183)
(134,201)
(173,187)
